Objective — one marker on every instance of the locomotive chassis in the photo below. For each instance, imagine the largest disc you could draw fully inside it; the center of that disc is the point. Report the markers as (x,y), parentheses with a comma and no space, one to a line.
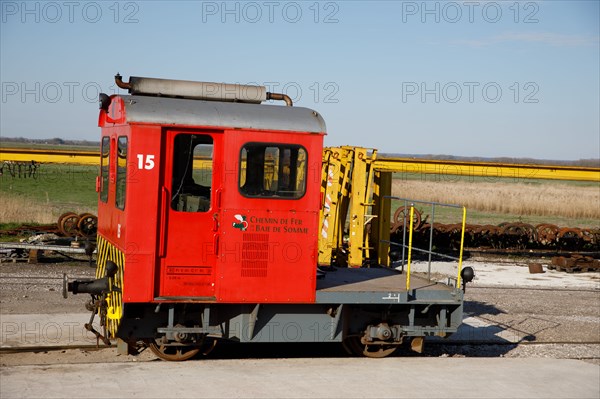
(350,303)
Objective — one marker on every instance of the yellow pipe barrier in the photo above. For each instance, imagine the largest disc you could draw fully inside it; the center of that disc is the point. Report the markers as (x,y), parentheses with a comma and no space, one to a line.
(462,242)
(410,231)
(490,171)
(50,156)
(71,157)
(405,166)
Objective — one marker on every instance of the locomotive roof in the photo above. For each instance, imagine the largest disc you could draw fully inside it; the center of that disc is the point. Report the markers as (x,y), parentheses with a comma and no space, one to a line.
(178,111)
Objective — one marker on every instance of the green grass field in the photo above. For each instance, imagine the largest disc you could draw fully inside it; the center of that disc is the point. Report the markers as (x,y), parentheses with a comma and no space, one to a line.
(53,190)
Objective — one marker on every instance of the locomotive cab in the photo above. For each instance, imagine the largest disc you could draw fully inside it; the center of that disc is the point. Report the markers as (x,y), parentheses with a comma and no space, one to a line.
(236,194)
(208,228)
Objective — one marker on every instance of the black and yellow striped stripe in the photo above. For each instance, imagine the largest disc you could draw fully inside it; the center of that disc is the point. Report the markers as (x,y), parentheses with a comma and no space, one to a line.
(114,297)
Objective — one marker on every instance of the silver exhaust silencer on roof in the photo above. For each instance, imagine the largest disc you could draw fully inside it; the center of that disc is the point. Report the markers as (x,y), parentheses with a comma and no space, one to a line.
(209,91)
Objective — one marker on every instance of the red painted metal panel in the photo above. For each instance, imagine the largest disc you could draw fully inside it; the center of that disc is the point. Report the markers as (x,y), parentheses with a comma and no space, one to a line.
(269,246)
(272,261)
(111,220)
(189,238)
(133,229)
(141,208)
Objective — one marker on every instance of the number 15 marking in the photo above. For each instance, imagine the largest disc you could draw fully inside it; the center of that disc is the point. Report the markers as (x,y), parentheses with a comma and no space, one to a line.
(148,163)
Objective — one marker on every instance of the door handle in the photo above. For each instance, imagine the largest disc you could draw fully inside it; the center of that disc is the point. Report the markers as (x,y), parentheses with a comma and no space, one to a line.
(216,244)
(215,223)
(218,199)
(164,203)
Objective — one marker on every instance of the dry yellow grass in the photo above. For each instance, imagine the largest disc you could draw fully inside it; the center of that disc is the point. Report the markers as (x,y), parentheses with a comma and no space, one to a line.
(546,199)
(521,199)
(20,209)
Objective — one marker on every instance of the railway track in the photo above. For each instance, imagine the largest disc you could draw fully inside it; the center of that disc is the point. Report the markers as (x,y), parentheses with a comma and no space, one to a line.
(20,280)
(52,348)
(589,351)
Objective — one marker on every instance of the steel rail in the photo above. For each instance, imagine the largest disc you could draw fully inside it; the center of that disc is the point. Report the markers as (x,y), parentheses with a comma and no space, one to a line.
(433,342)
(11,277)
(48,348)
(43,247)
(503,343)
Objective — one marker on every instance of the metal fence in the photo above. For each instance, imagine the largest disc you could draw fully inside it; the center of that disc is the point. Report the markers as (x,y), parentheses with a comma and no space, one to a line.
(408,248)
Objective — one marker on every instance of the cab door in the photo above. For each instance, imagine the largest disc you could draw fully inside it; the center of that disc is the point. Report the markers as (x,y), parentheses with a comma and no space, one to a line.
(190,194)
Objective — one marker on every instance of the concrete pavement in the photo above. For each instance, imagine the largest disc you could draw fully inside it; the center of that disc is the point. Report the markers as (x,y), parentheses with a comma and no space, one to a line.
(309,378)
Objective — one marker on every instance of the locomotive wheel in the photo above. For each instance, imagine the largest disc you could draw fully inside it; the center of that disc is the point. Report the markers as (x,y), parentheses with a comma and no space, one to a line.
(67,224)
(354,346)
(173,353)
(88,224)
(181,353)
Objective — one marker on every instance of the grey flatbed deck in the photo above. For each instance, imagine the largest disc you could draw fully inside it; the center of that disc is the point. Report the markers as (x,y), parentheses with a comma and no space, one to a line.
(380,285)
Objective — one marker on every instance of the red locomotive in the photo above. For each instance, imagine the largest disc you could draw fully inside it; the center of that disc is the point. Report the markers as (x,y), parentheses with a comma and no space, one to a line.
(208,229)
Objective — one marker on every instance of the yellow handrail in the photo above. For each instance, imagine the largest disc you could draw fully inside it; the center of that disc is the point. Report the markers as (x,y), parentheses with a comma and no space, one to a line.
(462,242)
(410,231)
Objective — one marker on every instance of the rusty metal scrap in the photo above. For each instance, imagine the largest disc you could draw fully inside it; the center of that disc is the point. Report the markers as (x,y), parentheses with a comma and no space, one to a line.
(506,235)
(575,263)
(402,216)
(69,224)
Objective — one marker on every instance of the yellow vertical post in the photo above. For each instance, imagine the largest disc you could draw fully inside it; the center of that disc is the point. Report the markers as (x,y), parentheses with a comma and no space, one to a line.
(331,182)
(382,208)
(462,242)
(357,209)
(368,204)
(410,231)
(344,195)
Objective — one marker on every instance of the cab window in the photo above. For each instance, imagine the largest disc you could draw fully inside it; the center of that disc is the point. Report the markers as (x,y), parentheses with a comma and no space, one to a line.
(104,168)
(192,173)
(121,185)
(272,171)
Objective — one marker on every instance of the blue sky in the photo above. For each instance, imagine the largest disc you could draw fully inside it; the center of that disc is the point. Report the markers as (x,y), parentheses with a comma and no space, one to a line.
(479,78)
